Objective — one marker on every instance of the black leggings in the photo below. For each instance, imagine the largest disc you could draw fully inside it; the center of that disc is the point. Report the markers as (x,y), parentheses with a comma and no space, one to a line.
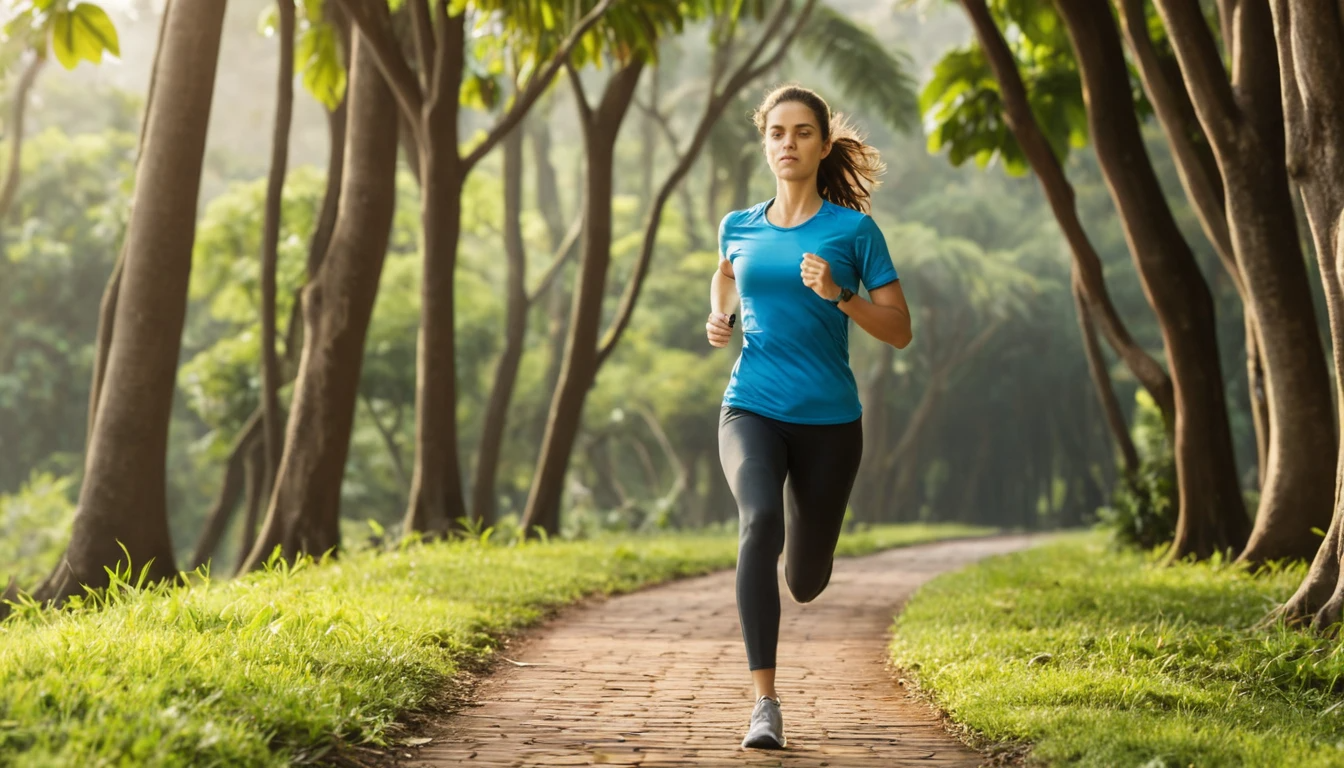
(816,463)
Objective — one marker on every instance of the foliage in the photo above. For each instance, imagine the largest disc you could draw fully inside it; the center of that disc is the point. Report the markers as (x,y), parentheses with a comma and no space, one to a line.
(35,526)
(76,30)
(1143,510)
(865,70)
(1100,657)
(962,106)
(317,50)
(57,251)
(284,666)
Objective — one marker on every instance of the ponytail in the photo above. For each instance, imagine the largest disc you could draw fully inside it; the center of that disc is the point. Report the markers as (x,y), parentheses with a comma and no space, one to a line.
(848,173)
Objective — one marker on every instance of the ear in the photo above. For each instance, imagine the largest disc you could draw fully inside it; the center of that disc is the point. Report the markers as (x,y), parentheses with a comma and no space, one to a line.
(826,148)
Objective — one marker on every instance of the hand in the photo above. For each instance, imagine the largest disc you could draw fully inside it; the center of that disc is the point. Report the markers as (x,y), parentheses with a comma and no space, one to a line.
(718,329)
(816,273)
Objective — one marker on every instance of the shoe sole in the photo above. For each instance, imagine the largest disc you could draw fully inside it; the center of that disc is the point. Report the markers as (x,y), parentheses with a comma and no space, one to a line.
(763,742)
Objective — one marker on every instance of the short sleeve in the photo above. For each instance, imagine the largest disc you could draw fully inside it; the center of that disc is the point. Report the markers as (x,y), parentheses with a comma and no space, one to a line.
(723,231)
(874,260)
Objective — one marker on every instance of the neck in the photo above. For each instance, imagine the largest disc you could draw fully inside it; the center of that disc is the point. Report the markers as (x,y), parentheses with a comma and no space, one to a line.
(796,198)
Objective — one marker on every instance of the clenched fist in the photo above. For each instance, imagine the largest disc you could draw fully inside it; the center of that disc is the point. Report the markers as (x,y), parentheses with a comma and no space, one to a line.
(816,273)
(719,328)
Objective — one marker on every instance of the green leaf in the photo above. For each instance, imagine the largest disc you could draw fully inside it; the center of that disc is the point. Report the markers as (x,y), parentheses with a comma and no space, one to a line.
(63,40)
(83,33)
(317,57)
(96,30)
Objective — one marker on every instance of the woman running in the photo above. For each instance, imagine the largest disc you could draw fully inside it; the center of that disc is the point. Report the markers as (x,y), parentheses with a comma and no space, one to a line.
(790,433)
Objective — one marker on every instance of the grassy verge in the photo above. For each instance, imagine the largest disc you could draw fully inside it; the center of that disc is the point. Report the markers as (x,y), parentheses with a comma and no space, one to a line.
(1100,658)
(281,667)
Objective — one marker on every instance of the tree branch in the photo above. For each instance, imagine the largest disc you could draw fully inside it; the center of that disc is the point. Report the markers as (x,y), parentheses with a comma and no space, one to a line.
(389,439)
(375,24)
(580,97)
(712,112)
(1202,66)
(1199,174)
(1316,31)
(1295,151)
(20,104)
(558,259)
(679,473)
(537,83)
(775,22)
(422,29)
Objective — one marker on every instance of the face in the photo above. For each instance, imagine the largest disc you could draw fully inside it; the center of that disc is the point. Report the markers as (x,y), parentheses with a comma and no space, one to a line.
(793,144)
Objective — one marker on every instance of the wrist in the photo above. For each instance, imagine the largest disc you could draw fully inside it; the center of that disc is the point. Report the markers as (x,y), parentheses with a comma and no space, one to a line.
(839,295)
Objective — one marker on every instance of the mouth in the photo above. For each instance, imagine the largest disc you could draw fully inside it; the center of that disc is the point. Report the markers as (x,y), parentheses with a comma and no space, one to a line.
(788,159)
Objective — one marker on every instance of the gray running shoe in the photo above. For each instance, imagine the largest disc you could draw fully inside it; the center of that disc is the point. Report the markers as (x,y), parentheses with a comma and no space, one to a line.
(767,726)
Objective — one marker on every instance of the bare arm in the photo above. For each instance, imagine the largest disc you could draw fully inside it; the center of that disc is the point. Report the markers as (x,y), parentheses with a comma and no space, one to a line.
(886,318)
(722,302)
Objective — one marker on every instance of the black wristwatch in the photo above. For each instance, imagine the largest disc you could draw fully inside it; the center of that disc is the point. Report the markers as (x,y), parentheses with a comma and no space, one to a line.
(845,295)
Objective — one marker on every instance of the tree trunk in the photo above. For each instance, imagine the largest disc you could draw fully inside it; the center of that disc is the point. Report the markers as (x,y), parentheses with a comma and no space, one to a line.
(123,499)
(579,369)
(1059,192)
(1203,183)
(1212,515)
(272,418)
(303,516)
(548,202)
(1101,380)
(217,521)
(107,308)
(17,108)
(254,496)
(1244,122)
(506,371)
(1310,40)
(436,500)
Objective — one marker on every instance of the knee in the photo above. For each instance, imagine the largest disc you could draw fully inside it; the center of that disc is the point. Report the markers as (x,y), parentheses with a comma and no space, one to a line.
(762,529)
(807,587)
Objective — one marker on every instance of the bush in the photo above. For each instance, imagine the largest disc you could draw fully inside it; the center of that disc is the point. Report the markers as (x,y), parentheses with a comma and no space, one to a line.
(1143,507)
(34,527)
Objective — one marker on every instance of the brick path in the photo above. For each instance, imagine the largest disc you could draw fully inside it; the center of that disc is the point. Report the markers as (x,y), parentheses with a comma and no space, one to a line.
(659,678)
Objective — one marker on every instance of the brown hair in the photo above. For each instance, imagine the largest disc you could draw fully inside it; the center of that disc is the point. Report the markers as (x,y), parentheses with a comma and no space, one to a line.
(848,174)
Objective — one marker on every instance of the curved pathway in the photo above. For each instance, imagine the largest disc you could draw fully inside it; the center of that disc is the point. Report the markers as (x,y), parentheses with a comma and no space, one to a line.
(658,678)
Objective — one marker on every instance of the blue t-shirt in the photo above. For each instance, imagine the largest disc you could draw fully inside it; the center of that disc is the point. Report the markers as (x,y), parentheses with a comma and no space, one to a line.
(794,364)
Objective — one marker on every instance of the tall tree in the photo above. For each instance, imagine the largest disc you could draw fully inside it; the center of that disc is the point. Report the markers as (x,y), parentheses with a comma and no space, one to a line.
(1212,515)
(1041,152)
(272,418)
(1243,119)
(122,502)
(1203,184)
(520,300)
(585,351)
(303,515)
(1310,43)
(1101,380)
(427,91)
(325,35)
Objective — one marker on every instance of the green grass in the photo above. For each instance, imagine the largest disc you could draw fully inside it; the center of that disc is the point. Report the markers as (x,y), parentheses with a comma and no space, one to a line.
(1146,666)
(284,666)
